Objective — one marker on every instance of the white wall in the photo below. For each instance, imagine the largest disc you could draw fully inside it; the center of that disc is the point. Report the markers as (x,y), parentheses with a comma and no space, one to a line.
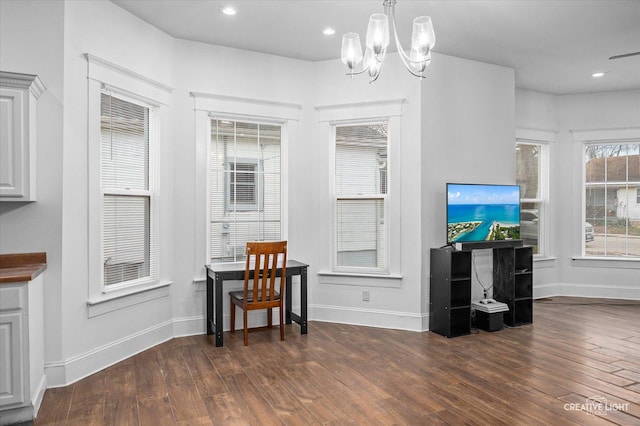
(596,111)
(467,137)
(537,113)
(629,207)
(456,126)
(31,42)
(89,344)
(220,71)
(395,302)
(566,273)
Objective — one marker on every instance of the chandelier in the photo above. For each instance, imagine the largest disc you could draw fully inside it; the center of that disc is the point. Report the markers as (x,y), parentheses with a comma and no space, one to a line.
(422,41)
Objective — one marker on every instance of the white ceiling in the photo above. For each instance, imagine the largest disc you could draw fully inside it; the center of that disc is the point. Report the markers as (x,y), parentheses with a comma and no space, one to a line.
(554,45)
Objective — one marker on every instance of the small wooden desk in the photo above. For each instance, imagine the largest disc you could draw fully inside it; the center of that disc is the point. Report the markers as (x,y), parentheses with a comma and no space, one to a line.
(218,272)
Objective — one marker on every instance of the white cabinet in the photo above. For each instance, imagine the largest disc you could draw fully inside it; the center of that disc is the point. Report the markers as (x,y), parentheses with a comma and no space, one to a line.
(12,342)
(22,378)
(18,116)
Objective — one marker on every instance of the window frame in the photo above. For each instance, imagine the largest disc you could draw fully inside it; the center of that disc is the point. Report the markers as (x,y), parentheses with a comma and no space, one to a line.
(258,185)
(148,194)
(208,106)
(393,111)
(611,140)
(259,206)
(102,76)
(526,138)
(578,138)
(383,196)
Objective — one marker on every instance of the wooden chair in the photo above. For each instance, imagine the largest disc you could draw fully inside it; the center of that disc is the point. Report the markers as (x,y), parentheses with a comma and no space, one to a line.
(263,259)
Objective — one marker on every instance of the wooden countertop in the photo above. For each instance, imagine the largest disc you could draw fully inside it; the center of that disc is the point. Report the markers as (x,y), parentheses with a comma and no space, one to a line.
(21,267)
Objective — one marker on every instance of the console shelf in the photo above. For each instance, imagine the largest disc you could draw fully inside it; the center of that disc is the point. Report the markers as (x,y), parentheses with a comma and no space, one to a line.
(450,300)
(513,283)
(450,292)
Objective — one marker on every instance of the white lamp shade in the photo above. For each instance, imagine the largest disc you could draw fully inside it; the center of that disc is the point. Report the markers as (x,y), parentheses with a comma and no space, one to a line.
(378,33)
(423,37)
(351,49)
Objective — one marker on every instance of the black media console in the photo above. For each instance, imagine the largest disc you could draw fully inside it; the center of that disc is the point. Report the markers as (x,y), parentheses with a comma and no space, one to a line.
(450,293)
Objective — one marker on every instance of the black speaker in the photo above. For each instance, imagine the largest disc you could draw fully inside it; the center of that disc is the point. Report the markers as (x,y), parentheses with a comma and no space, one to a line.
(479,245)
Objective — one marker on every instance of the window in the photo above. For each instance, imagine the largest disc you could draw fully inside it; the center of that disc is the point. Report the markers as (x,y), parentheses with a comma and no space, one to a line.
(126,214)
(126,189)
(612,208)
(245,182)
(531,159)
(243,192)
(361,240)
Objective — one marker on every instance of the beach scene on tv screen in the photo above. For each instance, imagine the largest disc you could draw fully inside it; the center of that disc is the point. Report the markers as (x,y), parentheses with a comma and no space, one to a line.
(482,213)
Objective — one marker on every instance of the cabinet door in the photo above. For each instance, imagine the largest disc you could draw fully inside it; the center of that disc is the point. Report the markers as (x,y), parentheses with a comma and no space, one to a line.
(18,115)
(12,143)
(12,383)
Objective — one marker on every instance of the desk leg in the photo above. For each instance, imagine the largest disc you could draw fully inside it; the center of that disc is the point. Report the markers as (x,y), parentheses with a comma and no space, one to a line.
(303,301)
(209,321)
(288,300)
(218,309)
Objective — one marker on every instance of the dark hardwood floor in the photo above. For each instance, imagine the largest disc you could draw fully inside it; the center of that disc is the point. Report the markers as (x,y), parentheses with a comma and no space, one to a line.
(552,372)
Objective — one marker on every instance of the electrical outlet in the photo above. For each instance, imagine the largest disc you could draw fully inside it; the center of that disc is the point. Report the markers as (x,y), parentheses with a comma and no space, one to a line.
(365,296)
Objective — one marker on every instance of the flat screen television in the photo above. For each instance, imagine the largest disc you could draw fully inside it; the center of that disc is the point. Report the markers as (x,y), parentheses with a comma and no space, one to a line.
(478,213)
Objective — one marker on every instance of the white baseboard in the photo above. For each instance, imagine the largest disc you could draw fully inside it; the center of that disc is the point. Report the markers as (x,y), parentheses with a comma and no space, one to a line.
(83,365)
(38,394)
(80,366)
(586,290)
(545,290)
(189,326)
(599,291)
(369,317)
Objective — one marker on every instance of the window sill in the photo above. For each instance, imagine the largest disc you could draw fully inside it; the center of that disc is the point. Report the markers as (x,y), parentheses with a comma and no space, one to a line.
(606,262)
(544,261)
(110,302)
(360,279)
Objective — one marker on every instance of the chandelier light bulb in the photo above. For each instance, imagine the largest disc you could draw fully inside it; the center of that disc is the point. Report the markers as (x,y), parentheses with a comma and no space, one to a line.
(351,50)
(419,59)
(372,64)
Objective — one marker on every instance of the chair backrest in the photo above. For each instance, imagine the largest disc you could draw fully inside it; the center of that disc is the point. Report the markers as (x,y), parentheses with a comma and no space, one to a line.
(264,258)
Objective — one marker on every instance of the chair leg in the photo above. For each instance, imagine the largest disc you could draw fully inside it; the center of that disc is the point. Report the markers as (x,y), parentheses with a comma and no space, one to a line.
(246,329)
(270,317)
(232,325)
(281,322)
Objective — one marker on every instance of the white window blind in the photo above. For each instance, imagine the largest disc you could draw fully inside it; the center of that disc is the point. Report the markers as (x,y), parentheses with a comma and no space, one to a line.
(361,196)
(245,182)
(126,192)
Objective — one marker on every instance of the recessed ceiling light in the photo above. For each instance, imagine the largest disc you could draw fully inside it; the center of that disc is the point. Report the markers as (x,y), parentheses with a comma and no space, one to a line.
(328,31)
(597,74)
(228,10)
